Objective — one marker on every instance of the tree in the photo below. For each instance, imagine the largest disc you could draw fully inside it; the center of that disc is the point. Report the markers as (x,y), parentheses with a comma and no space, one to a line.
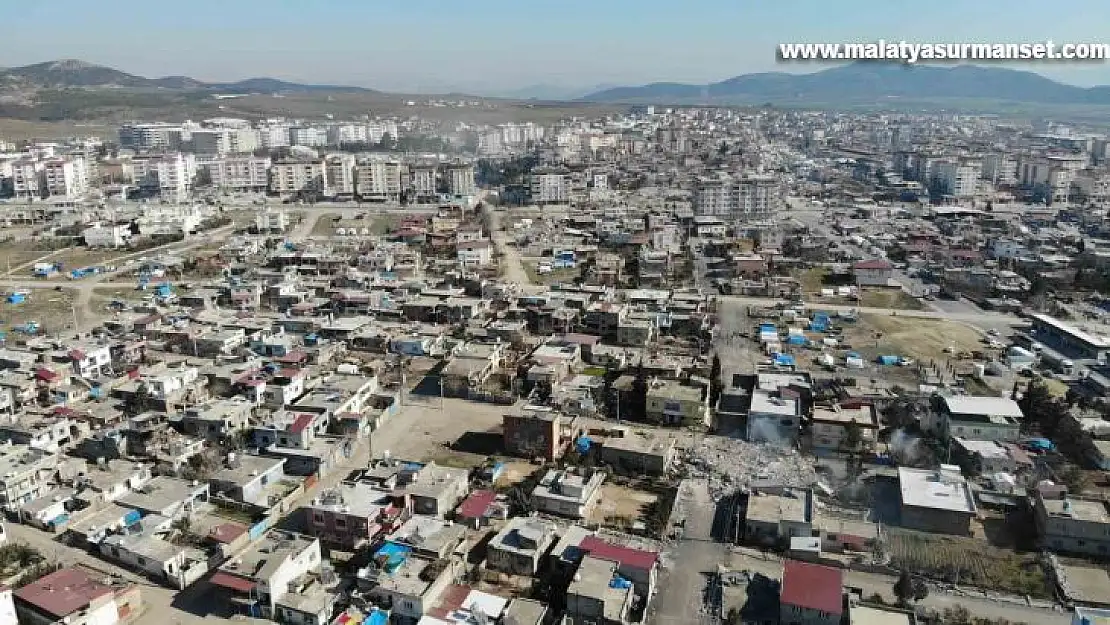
(715,383)
(903,588)
(637,396)
(1075,479)
(920,590)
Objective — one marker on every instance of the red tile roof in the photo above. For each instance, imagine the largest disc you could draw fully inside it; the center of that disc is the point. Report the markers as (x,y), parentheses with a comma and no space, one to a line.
(46,375)
(475,506)
(813,587)
(226,532)
(625,556)
(232,582)
(76,354)
(62,592)
(301,422)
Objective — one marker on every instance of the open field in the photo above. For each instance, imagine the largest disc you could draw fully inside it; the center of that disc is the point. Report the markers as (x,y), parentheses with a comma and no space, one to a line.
(377,225)
(552,277)
(621,506)
(80,257)
(896,299)
(52,310)
(921,339)
(21,130)
(967,561)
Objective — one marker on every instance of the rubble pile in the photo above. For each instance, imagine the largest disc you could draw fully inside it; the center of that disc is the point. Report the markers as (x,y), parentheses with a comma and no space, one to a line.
(729,464)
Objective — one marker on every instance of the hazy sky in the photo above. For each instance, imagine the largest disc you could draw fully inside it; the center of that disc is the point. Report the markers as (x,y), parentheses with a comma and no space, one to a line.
(431,45)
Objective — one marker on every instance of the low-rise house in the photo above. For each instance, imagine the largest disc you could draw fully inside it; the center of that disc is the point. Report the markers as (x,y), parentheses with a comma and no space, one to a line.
(520,546)
(832,427)
(218,419)
(874,272)
(429,537)
(522,611)
(534,433)
(171,564)
(1071,524)
(25,474)
(811,594)
(109,480)
(568,494)
(51,511)
(167,496)
(90,360)
(638,566)
(979,418)
(938,501)
(594,597)
(250,479)
(73,595)
(354,515)
(672,403)
(478,509)
(640,452)
(259,578)
(776,517)
(432,489)
(411,585)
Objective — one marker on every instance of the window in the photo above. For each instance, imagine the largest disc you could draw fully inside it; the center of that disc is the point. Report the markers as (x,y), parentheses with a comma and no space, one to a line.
(341,522)
(142,561)
(317,518)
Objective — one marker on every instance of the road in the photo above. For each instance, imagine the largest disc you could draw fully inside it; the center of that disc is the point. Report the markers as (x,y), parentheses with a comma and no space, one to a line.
(982,319)
(510,259)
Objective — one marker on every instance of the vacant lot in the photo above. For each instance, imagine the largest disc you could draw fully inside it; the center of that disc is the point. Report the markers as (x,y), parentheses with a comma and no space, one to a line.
(621,506)
(52,310)
(896,299)
(327,225)
(555,276)
(968,562)
(922,339)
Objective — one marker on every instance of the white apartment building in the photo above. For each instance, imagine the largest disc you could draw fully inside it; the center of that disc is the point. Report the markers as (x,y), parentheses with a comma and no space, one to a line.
(273,134)
(169,220)
(27,178)
(378,129)
(65,176)
(747,198)
(271,221)
(308,136)
(379,180)
(212,142)
(170,175)
(152,137)
(107,235)
(459,178)
(291,177)
(241,173)
(713,197)
(341,175)
(347,134)
(958,178)
(549,187)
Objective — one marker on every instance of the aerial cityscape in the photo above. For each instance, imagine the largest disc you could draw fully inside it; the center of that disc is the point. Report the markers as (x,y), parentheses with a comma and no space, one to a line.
(814,344)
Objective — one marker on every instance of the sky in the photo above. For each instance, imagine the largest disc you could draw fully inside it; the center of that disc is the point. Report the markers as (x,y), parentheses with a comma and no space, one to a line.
(491,46)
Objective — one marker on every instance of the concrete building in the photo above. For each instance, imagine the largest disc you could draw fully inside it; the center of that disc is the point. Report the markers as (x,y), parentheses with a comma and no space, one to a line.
(170,176)
(534,433)
(152,137)
(241,174)
(873,272)
(354,515)
(107,235)
(66,177)
(250,479)
(979,418)
(293,177)
(646,452)
(738,199)
(549,186)
(308,136)
(458,178)
(568,494)
(519,547)
(774,517)
(260,577)
(340,175)
(27,179)
(73,595)
(422,181)
(957,177)
(1071,524)
(379,180)
(271,221)
(937,501)
(591,597)
(831,424)
(811,594)
(672,403)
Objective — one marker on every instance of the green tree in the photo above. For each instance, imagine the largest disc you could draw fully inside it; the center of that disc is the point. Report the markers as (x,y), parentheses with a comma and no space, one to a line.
(715,383)
(903,588)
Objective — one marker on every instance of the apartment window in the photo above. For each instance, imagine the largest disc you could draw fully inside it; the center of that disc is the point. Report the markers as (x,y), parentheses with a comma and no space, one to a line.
(317,518)
(341,523)
(142,561)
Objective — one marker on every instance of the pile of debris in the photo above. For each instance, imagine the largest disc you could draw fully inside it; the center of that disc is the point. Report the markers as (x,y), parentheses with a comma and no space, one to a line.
(730,464)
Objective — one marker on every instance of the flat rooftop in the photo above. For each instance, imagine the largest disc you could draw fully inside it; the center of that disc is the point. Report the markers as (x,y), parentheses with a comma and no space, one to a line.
(989,406)
(937,490)
(772,508)
(642,442)
(863,415)
(868,615)
(1079,509)
(764,402)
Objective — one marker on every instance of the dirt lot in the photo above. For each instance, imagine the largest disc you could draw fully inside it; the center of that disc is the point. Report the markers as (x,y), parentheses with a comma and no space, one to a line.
(462,431)
(326,226)
(967,561)
(77,258)
(896,299)
(552,277)
(52,310)
(921,339)
(621,506)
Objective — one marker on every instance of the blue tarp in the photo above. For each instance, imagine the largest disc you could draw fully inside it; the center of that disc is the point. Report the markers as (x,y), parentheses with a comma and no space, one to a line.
(60,520)
(796,340)
(132,517)
(16,298)
(583,444)
(767,327)
(784,360)
(619,582)
(377,617)
(888,360)
(395,555)
(1040,444)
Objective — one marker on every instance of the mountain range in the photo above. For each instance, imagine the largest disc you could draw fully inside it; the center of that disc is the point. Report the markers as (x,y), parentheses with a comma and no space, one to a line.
(867,83)
(71,73)
(864,82)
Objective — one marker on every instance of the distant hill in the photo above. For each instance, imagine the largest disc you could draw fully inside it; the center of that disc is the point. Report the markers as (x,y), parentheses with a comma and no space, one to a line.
(74,74)
(865,83)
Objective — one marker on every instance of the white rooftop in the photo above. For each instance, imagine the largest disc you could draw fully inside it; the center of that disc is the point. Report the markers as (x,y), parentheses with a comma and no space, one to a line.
(943,489)
(995,406)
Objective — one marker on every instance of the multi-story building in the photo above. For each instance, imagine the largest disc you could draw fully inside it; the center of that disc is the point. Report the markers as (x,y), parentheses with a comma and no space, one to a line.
(107,235)
(958,178)
(549,186)
(347,134)
(292,177)
(379,180)
(747,198)
(211,141)
(273,133)
(27,178)
(1000,169)
(568,494)
(459,178)
(65,176)
(275,566)
(241,173)
(169,175)
(152,137)
(422,181)
(308,136)
(341,175)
